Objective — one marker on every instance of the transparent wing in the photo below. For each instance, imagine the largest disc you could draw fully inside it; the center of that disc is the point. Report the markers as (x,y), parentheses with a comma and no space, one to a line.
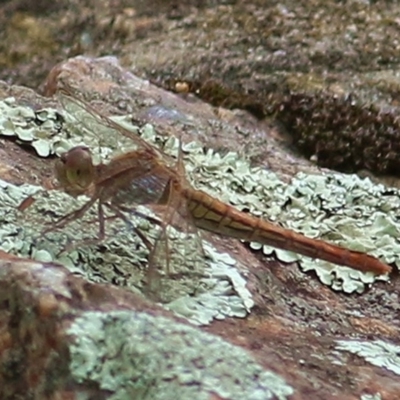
(100,125)
(177,259)
(177,253)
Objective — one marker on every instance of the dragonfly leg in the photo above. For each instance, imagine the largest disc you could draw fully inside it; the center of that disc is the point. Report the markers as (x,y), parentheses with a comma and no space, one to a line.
(119,214)
(91,241)
(136,213)
(72,216)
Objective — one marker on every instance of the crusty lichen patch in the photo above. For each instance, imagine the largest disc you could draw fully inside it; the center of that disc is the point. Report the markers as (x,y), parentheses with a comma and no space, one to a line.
(375,396)
(162,359)
(344,209)
(377,352)
(216,290)
(41,129)
(202,292)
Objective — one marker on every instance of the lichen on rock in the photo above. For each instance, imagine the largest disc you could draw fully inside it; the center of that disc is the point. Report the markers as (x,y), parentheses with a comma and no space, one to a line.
(215,290)
(163,359)
(41,128)
(344,209)
(377,352)
(340,208)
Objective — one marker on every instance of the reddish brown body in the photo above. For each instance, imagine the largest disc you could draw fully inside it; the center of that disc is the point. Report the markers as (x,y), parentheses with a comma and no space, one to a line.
(215,216)
(144,177)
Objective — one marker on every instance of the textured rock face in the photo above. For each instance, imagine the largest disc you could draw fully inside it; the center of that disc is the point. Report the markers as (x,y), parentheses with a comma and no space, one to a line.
(328,72)
(335,127)
(64,336)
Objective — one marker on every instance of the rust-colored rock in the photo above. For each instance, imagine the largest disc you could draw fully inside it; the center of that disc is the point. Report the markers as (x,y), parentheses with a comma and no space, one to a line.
(292,331)
(45,352)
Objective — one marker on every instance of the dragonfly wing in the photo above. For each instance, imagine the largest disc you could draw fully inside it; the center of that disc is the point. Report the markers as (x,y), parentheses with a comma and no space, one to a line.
(177,259)
(100,125)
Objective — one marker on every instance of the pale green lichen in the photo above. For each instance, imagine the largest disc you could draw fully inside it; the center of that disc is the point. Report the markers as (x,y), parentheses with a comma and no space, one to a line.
(214,290)
(376,396)
(343,209)
(377,352)
(41,129)
(134,355)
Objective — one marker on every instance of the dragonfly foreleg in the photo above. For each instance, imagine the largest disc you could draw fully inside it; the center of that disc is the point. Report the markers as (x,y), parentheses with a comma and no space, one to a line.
(118,213)
(72,216)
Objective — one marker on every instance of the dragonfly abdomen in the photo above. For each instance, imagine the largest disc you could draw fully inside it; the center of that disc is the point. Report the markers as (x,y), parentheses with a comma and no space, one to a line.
(213,215)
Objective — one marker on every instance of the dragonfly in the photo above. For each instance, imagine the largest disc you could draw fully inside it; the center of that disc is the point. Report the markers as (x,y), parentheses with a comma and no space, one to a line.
(148,176)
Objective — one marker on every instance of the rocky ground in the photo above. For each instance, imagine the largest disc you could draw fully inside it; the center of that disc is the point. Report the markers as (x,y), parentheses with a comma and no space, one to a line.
(292,88)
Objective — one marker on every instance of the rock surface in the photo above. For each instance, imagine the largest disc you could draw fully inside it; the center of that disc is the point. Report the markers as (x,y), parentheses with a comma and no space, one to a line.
(323,344)
(294,329)
(62,338)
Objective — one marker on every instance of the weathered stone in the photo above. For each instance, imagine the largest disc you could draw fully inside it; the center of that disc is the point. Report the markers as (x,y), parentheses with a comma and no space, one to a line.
(63,338)
(294,328)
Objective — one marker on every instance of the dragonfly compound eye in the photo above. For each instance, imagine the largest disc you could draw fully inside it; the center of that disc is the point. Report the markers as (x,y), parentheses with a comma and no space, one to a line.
(75,170)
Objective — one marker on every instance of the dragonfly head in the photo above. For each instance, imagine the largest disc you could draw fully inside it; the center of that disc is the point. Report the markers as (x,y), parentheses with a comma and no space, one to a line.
(75,171)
